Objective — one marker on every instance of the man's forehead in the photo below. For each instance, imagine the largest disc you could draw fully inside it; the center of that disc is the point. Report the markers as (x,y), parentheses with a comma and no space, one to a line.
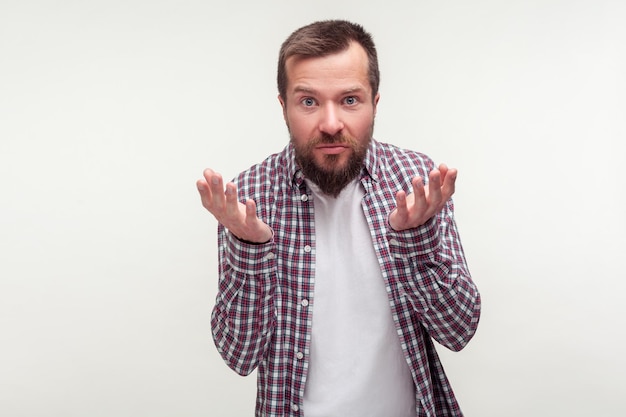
(345,64)
(352,46)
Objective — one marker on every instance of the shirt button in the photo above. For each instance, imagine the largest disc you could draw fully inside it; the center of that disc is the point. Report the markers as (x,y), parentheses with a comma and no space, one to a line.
(295,407)
(393,242)
(269,256)
(307,248)
(299,355)
(304,197)
(304,303)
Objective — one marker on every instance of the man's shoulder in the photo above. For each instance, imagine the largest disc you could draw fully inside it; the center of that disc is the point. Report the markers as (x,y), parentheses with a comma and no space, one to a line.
(396,158)
(271,170)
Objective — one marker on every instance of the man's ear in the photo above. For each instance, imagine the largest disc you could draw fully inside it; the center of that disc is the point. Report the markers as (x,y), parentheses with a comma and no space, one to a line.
(284,106)
(376,102)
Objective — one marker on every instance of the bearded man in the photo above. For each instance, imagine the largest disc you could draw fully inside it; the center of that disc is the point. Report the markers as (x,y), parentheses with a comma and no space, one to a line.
(339,257)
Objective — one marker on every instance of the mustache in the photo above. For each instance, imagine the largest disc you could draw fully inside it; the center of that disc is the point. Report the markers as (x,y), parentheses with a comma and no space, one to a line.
(327,139)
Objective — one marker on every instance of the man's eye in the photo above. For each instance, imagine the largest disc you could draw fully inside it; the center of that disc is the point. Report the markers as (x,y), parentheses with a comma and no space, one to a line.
(308,102)
(350,100)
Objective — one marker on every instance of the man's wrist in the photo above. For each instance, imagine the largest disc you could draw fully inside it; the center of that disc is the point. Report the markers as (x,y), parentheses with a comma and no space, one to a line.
(266,238)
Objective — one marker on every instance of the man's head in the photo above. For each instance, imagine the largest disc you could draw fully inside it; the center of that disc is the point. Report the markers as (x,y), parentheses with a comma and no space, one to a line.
(328,82)
(324,38)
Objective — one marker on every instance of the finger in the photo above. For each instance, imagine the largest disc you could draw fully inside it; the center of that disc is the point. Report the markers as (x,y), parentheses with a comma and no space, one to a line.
(203,184)
(449,184)
(232,204)
(216,187)
(250,211)
(212,180)
(443,170)
(420,199)
(215,182)
(262,232)
(434,179)
(401,206)
(203,189)
(418,184)
(208,174)
(434,184)
(419,192)
(231,193)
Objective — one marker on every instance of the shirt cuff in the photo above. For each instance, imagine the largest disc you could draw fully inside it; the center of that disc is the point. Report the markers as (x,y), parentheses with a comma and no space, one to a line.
(418,241)
(250,258)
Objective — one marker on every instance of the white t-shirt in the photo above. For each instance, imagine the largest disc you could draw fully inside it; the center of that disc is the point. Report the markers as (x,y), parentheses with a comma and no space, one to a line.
(356,366)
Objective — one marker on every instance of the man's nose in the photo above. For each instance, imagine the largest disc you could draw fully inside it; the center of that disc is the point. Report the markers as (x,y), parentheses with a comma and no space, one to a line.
(330,122)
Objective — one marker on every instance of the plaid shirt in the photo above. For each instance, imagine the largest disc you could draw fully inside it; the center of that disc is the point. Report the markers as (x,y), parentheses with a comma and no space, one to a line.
(263,311)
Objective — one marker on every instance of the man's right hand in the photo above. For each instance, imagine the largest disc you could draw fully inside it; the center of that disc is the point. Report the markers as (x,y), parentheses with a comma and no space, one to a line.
(240,219)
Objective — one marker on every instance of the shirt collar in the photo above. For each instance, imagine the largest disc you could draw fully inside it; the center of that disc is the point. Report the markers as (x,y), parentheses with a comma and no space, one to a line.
(370,164)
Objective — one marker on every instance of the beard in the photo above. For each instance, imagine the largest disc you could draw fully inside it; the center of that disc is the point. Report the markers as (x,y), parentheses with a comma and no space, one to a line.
(330,177)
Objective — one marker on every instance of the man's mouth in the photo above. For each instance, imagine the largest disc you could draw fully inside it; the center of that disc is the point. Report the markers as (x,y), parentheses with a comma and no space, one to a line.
(332,149)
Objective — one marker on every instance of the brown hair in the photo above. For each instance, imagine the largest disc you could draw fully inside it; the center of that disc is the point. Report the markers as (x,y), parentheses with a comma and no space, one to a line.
(324,38)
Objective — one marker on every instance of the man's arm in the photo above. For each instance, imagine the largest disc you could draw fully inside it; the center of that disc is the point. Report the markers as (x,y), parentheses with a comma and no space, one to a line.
(442,290)
(244,314)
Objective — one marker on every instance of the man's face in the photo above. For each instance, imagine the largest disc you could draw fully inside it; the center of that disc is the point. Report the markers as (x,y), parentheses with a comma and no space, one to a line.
(330,115)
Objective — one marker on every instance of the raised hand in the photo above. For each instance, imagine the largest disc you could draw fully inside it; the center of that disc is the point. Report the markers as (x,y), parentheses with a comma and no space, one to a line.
(417,208)
(240,219)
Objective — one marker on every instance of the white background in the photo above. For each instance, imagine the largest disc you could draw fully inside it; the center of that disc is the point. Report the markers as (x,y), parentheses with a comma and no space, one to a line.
(110,110)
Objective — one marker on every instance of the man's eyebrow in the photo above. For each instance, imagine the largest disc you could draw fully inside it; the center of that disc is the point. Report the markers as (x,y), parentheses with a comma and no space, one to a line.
(303,89)
(308,90)
(355,89)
